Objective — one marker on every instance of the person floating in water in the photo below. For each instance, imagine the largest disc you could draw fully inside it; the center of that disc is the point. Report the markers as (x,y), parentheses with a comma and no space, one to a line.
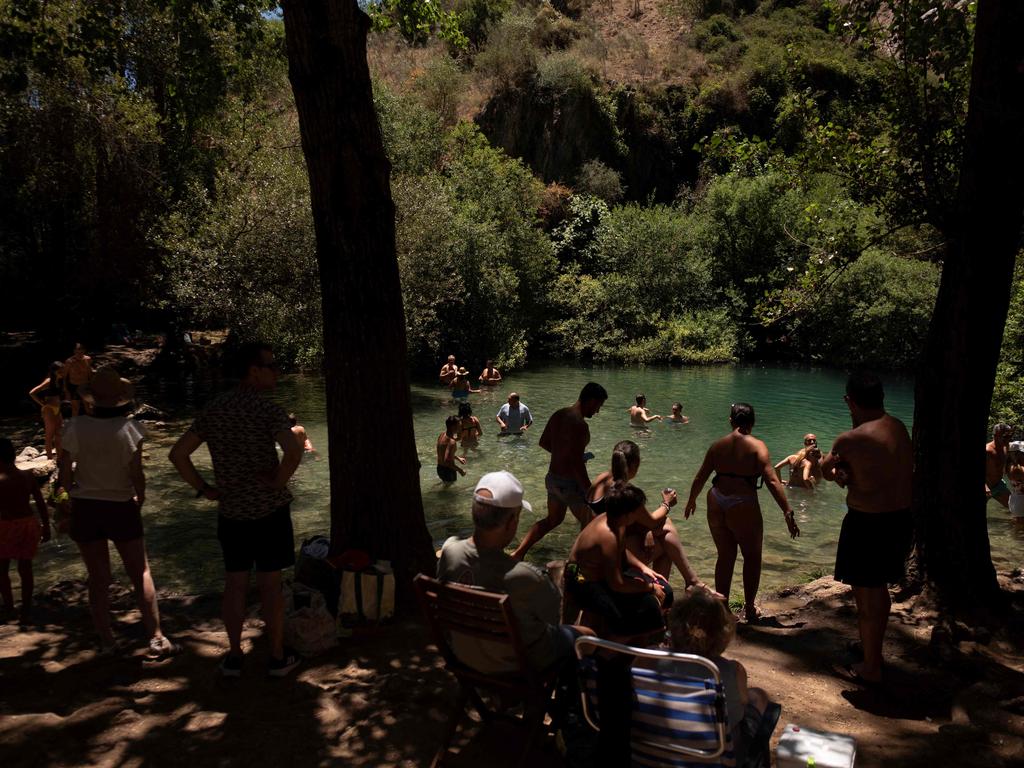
(566,437)
(804,465)
(448,371)
(300,434)
(514,417)
(469,428)
(48,395)
(447,445)
(995,464)
(677,415)
(874,461)
(460,386)
(490,375)
(739,460)
(639,414)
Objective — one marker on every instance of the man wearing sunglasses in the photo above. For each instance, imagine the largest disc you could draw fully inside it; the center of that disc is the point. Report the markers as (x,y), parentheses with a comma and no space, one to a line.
(254,526)
(874,462)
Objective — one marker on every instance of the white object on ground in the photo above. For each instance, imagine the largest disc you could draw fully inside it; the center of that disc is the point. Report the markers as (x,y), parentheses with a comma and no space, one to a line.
(829,750)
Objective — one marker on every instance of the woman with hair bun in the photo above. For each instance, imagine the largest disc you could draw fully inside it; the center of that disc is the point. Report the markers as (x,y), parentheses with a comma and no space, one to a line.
(739,460)
(653,539)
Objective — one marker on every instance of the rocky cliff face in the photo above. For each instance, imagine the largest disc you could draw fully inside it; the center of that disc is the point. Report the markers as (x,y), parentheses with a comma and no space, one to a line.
(555,133)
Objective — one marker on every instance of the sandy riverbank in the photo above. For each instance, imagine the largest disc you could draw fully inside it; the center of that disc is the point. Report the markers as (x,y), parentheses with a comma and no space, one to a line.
(382,699)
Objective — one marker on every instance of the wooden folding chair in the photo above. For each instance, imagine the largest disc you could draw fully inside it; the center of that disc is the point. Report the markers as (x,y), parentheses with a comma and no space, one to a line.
(453,609)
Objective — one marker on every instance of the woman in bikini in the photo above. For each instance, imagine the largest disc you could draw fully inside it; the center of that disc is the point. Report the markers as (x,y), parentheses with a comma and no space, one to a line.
(653,539)
(469,428)
(48,394)
(739,460)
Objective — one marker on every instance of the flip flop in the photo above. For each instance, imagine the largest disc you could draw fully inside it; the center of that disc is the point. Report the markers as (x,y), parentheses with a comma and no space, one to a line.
(849,674)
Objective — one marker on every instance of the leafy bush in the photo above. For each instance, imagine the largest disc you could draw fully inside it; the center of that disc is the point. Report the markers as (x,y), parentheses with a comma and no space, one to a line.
(598,180)
(877,316)
(561,73)
(509,57)
(1008,396)
(440,87)
(714,33)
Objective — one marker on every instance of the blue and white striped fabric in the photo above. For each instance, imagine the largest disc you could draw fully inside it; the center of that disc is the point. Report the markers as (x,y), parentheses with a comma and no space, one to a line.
(669,710)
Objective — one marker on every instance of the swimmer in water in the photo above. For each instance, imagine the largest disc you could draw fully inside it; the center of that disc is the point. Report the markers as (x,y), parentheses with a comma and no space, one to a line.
(300,434)
(639,415)
(677,415)
(469,428)
(1015,472)
(804,465)
(447,445)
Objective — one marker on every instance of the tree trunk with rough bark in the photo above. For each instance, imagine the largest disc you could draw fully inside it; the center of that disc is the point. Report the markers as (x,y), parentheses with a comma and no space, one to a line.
(375,493)
(955,379)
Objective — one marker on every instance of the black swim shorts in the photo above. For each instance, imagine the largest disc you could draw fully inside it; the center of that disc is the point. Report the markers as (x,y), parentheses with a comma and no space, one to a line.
(623,613)
(268,543)
(873,547)
(446,473)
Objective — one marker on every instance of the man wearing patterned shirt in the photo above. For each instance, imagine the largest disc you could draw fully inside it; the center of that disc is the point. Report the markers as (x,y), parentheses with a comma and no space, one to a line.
(242,430)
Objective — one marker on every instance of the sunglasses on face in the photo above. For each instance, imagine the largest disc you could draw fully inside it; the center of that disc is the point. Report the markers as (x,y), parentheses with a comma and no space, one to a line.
(810,442)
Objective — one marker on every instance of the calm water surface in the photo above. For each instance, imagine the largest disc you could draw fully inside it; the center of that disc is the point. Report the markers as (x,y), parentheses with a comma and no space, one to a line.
(181,532)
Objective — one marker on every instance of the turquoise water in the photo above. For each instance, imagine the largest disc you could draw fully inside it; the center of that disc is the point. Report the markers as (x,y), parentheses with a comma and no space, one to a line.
(789,402)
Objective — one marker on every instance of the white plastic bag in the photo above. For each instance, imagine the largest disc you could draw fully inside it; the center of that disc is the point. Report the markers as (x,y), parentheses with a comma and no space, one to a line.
(368,595)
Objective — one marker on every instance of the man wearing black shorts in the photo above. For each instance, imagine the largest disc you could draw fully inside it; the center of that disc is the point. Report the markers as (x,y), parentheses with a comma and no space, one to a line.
(874,462)
(254,526)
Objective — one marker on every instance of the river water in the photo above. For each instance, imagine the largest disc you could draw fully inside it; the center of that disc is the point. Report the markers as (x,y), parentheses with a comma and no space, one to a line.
(181,532)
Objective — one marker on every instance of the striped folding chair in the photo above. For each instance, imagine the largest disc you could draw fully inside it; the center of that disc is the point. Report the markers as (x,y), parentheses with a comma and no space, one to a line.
(676,720)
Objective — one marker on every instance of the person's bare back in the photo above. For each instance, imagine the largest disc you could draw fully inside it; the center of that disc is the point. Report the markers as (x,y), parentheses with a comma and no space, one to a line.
(566,436)
(878,456)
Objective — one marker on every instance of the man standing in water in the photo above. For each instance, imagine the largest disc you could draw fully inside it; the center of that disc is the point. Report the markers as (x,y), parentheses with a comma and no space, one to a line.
(447,445)
(874,462)
(254,525)
(995,464)
(566,437)
(77,373)
(514,417)
(448,371)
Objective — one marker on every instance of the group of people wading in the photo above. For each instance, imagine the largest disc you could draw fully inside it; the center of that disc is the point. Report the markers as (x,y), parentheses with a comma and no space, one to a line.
(617,569)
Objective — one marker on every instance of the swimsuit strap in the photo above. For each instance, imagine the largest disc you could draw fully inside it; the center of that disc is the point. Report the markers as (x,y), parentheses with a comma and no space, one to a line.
(755,481)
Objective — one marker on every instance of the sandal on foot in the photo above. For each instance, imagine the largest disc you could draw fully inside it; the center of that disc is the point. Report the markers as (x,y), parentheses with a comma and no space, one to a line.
(849,674)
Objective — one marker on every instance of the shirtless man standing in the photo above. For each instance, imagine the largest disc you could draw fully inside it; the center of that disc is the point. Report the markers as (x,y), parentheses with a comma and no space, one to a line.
(995,464)
(566,437)
(448,371)
(77,372)
(447,445)
(874,462)
(639,415)
(490,375)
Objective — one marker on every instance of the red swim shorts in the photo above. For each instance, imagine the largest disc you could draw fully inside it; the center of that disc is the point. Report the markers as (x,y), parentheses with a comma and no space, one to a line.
(19,538)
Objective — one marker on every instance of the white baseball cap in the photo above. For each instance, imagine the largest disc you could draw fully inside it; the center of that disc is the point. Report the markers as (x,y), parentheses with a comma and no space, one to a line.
(506,491)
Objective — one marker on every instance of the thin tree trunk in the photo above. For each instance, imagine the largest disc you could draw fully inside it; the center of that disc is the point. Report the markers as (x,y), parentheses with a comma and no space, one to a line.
(375,492)
(955,380)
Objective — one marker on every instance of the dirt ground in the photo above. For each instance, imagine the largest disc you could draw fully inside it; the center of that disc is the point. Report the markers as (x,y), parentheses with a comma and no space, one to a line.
(382,698)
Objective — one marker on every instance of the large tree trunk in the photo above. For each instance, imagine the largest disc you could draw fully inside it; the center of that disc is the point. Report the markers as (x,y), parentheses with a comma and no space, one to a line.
(375,492)
(954,382)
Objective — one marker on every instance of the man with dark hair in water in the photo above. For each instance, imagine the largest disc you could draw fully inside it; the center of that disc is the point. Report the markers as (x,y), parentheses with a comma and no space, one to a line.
(995,464)
(874,462)
(447,445)
(566,437)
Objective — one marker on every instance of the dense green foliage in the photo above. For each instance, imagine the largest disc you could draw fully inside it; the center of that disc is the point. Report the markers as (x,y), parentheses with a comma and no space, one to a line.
(736,200)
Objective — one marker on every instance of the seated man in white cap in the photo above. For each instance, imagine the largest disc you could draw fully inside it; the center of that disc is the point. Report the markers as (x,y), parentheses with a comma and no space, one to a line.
(481,561)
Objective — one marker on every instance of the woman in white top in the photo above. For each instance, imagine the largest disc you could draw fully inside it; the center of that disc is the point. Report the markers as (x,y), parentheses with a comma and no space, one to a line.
(108,488)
